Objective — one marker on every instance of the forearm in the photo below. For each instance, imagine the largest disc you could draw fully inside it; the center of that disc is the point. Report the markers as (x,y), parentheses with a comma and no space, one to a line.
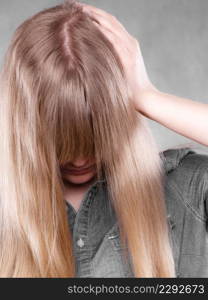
(186,117)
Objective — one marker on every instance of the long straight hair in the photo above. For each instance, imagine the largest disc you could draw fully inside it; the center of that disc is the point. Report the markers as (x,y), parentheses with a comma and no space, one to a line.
(64,95)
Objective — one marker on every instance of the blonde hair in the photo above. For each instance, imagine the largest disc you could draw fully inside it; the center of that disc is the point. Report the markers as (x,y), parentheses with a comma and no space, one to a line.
(64,95)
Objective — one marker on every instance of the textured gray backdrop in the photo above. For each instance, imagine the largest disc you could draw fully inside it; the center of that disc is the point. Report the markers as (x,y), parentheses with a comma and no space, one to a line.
(173,35)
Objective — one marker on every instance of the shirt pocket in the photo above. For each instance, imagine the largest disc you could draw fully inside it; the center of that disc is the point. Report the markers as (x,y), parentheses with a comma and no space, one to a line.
(110,259)
(193,265)
(116,242)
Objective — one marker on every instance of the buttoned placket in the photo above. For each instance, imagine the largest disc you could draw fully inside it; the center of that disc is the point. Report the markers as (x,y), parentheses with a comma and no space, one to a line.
(175,246)
(81,246)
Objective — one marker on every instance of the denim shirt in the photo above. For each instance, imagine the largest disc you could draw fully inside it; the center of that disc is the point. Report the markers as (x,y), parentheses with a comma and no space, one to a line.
(96,242)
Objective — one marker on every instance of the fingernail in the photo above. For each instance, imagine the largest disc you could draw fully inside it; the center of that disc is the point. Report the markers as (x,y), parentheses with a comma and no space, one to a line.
(94,22)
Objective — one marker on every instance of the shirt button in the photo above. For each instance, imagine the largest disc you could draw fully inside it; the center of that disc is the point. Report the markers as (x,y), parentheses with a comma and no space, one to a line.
(80,243)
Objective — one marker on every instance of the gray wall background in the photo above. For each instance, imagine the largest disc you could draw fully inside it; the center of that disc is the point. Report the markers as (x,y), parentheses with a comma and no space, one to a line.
(173,35)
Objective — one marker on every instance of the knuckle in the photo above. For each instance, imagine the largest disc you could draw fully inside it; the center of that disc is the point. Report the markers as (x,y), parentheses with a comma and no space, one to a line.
(134,40)
(113,18)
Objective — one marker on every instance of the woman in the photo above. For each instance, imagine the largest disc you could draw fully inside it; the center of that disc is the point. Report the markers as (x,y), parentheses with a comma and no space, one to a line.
(68,102)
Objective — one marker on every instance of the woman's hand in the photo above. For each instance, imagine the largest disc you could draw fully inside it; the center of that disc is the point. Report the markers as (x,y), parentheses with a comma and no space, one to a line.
(128,50)
(186,117)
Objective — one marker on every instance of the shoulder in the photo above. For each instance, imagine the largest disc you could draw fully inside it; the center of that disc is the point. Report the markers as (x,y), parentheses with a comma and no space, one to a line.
(187,176)
(185,160)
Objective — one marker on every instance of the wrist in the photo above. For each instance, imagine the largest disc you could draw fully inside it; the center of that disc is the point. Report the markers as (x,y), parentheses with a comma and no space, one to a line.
(146,99)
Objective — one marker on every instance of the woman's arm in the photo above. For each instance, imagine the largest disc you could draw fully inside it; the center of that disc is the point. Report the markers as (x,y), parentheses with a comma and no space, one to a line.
(186,117)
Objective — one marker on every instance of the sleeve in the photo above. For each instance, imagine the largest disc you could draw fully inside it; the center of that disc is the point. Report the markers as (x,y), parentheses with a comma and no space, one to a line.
(191,177)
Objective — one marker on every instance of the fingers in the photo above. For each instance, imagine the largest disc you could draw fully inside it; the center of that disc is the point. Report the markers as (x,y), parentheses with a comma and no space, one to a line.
(108,33)
(105,19)
(109,25)
(93,9)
